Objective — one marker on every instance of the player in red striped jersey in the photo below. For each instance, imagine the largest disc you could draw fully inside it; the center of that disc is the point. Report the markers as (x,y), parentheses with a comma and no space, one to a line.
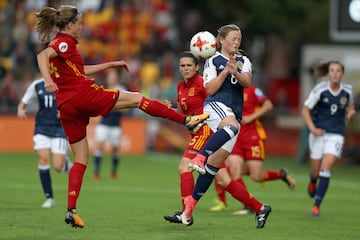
(79,98)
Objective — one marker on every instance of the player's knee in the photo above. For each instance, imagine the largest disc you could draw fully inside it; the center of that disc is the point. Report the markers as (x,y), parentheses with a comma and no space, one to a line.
(231,130)
(257,178)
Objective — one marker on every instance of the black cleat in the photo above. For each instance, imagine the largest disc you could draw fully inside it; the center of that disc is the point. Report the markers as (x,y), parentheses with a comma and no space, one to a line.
(176,218)
(262,216)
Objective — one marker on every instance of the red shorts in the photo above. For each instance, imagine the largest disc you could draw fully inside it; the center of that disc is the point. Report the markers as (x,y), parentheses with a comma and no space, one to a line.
(197,142)
(91,102)
(249,149)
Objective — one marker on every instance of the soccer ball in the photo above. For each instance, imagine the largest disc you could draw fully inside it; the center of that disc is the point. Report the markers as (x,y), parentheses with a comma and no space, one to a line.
(203,45)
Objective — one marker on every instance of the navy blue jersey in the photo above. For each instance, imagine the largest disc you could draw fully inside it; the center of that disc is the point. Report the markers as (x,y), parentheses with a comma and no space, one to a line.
(113,119)
(328,109)
(46,121)
(231,92)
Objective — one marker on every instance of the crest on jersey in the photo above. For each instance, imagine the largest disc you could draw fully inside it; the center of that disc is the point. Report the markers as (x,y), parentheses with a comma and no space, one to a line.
(239,64)
(63,47)
(343,101)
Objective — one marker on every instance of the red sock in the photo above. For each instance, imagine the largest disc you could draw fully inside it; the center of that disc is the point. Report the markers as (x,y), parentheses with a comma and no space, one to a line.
(220,192)
(75,180)
(240,193)
(156,108)
(272,175)
(186,186)
(241,181)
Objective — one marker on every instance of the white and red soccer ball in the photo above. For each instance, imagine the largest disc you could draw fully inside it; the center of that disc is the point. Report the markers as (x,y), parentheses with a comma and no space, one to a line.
(203,45)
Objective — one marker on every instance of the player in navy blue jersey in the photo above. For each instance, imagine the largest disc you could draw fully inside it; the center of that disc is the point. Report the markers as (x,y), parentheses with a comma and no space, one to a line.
(329,103)
(109,131)
(225,76)
(49,137)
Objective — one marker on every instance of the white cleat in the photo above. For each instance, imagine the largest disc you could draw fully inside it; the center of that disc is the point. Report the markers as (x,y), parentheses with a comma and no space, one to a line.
(49,203)
(197,168)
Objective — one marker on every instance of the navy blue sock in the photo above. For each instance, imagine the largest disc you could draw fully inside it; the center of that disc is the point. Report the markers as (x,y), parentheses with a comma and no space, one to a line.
(115,162)
(322,187)
(45,179)
(204,181)
(217,140)
(97,161)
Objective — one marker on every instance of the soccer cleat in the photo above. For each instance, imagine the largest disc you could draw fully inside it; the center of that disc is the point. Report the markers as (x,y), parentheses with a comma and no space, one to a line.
(288,179)
(176,218)
(186,216)
(113,176)
(315,211)
(221,206)
(74,219)
(245,211)
(262,216)
(198,164)
(192,121)
(311,189)
(49,203)
(96,176)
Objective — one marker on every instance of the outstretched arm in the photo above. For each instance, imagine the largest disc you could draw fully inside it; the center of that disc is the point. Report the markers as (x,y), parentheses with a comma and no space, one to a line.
(91,69)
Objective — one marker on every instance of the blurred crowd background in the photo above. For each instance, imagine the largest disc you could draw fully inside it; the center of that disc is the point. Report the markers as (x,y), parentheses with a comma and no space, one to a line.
(149,35)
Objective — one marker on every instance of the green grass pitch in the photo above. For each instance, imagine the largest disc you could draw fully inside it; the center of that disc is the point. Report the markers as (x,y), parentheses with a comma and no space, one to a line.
(132,207)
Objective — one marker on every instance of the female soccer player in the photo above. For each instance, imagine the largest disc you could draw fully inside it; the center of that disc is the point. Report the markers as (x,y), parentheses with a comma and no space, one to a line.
(108,130)
(248,153)
(190,100)
(225,75)
(329,103)
(79,98)
(191,97)
(49,137)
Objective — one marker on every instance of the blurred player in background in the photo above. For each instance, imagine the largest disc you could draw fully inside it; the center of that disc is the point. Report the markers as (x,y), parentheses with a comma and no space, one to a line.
(248,153)
(49,137)
(109,131)
(325,110)
(79,97)
(225,76)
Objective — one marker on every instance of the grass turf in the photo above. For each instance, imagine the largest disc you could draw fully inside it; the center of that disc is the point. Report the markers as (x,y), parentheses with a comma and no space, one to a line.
(132,207)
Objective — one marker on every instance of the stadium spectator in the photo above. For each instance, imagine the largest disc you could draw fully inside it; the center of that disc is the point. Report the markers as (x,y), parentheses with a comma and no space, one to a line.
(79,98)
(327,107)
